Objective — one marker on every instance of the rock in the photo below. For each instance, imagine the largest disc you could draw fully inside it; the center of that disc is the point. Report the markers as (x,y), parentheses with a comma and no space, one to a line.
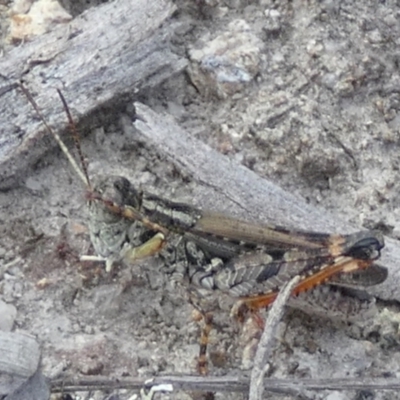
(7,316)
(225,65)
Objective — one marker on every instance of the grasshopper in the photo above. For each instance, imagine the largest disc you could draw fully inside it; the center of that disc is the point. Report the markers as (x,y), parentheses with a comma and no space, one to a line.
(212,253)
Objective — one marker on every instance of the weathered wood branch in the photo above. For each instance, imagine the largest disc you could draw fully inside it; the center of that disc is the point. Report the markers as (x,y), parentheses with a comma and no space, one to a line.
(234,189)
(19,360)
(108,52)
(225,384)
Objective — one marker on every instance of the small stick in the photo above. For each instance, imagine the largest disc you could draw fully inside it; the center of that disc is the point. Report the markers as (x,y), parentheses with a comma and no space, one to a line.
(264,348)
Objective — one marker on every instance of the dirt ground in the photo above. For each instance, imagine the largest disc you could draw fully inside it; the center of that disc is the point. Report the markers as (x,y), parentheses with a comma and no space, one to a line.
(308,99)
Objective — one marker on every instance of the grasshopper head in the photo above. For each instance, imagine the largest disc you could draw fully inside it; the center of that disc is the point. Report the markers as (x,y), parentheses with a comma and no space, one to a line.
(109,230)
(112,190)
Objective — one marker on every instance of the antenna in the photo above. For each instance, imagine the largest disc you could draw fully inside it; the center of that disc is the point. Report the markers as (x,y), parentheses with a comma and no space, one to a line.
(75,135)
(82,175)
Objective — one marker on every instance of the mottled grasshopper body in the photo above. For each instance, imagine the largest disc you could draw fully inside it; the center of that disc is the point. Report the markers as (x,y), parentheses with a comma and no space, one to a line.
(211,253)
(245,260)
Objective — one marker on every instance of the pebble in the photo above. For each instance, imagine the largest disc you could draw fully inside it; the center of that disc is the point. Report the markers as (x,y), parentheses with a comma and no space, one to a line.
(227,64)
(8,313)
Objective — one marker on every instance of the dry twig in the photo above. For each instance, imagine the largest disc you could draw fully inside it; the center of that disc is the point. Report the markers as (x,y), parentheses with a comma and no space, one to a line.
(267,339)
(224,384)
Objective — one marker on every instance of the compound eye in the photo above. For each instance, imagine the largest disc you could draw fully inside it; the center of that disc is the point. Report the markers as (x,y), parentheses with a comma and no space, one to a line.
(129,195)
(122,185)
